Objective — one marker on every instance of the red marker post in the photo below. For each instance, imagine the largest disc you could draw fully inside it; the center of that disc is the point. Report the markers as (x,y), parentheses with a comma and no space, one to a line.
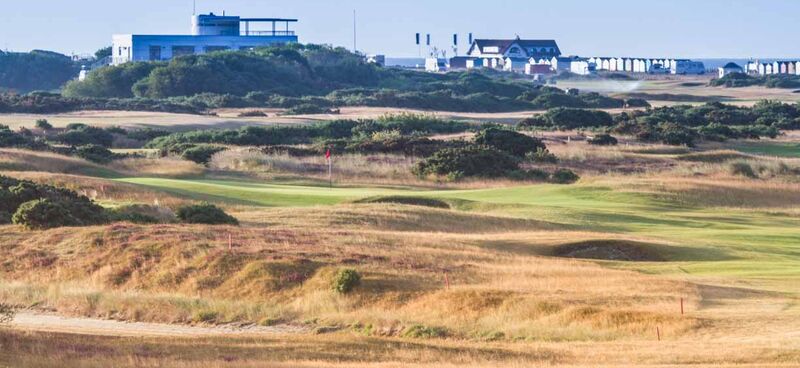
(330,167)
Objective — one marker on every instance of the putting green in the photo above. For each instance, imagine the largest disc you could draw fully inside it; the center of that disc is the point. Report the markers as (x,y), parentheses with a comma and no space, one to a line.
(756,247)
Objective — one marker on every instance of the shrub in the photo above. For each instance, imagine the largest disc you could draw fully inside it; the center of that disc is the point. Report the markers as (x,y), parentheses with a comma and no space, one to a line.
(252,113)
(201,154)
(509,141)
(205,316)
(6,314)
(346,280)
(742,168)
(411,201)
(568,118)
(41,201)
(676,135)
(81,135)
(564,176)
(306,109)
(95,153)
(532,174)
(141,214)
(467,161)
(603,140)
(43,124)
(636,102)
(43,214)
(205,213)
(424,332)
(541,156)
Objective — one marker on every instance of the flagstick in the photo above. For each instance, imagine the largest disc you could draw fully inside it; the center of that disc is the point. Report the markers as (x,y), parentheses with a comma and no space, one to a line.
(330,172)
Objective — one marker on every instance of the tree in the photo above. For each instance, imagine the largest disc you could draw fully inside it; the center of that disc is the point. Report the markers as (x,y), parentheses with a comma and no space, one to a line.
(102,53)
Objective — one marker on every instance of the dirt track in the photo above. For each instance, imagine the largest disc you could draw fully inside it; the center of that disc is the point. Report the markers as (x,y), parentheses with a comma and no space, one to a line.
(97,327)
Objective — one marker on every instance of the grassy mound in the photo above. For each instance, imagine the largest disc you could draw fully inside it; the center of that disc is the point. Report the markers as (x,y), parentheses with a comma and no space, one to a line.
(713,156)
(610,250)
(411,201)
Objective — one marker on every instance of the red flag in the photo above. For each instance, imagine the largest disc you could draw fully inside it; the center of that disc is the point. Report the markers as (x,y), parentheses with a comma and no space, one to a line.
(328,154)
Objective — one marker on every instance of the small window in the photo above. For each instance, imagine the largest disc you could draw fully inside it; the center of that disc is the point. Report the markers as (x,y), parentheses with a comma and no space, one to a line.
(182,50)
(155,53)
(216,48)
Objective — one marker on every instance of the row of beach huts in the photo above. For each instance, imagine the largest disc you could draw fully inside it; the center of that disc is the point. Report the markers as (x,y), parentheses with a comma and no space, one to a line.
(543,57)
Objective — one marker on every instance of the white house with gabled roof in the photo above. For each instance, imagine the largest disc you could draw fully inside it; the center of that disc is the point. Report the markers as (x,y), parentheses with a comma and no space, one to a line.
(512,54)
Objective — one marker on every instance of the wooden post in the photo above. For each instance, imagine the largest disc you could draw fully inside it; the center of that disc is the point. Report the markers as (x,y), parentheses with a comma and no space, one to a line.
(681,306)
(658,333)
(230,242)
(446,281)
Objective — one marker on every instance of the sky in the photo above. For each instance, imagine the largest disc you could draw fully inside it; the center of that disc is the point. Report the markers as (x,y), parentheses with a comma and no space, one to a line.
(672,28)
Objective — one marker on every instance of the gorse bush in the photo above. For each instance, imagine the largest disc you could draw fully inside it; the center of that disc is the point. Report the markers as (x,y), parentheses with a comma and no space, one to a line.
(95,153)
(81,135)
(38,206)
(509,141)
(346,280)
(603,140)
(44,214)
(205,213)
(564,176)
(201,154)
(43,124)
(467,161)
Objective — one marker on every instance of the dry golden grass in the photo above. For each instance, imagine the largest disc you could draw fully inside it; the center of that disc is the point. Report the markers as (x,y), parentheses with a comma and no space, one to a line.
(170,167)
(502,286)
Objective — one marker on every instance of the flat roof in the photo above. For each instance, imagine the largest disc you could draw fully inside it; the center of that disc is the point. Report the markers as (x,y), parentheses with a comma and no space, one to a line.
(267,20)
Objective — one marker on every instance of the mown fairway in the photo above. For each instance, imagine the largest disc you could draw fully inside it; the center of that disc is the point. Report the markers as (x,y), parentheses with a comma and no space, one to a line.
(735,246)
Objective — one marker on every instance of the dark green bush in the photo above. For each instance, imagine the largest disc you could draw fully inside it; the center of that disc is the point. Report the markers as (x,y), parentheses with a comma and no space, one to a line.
(82,135)
(603,140)
(43,214)
(509,141)
(201,154)
(346,280)
(47,206)
(43,124)
(568,118)
(141,214)
(564,176)
(467,161)
(95,153)
(531,174)
(205,213)
(412,201)
(542,156)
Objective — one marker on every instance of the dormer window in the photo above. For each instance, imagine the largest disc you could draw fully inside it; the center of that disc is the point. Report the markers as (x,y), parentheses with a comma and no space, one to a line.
(514,50)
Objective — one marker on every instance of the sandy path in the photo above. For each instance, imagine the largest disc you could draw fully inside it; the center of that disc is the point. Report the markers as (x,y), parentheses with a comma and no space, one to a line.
(98,327)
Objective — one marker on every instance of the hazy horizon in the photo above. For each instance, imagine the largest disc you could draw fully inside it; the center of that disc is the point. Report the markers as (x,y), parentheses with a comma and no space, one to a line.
(683,28)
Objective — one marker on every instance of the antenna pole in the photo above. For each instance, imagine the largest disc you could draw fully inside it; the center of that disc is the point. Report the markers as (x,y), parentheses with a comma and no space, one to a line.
(355,45)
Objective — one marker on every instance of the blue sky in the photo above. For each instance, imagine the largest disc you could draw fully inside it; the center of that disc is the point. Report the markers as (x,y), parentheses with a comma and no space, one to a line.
(675,28)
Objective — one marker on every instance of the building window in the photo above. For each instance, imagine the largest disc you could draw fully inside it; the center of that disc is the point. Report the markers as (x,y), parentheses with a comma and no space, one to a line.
(216,48)
(155,53)
(514,50)
(182,50)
